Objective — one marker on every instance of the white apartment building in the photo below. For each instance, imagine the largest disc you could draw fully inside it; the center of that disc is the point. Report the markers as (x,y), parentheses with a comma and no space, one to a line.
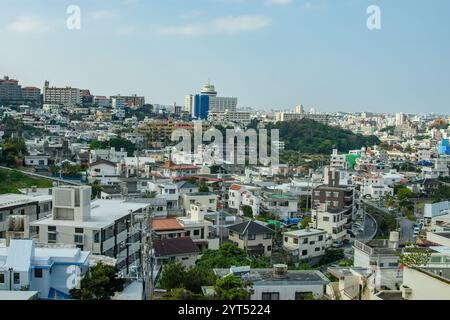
(206,200)
(45,269)
(230,116)
(104,227)
(306,244)
(118,102)
(112,155)
(331,220)
(68,96)
(338,161)
(240,195)
(32,206)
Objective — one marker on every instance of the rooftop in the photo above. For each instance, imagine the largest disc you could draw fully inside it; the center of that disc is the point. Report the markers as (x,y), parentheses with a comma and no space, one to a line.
(175,246)
(250,227)
(166,224)
(103,214)
(304,232)
(266,277)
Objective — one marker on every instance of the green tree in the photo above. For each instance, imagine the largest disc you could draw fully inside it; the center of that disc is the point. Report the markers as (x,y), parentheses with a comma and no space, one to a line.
(248,211)
(96,190)
(176,276)
(415,256)
(227,256)
(101,283)
(404,193)
(231,288)
(305,222)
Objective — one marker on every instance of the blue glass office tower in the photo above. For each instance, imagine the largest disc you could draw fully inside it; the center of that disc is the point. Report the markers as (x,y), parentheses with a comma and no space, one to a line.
(201,106)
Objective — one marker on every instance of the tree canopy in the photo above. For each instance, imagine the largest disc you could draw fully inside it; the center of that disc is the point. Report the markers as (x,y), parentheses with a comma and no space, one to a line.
(101,283)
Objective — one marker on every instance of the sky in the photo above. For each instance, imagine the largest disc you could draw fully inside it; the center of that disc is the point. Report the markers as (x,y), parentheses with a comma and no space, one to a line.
(271,54)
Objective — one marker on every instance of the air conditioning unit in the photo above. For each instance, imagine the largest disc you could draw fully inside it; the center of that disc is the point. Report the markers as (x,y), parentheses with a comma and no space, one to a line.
(406,292)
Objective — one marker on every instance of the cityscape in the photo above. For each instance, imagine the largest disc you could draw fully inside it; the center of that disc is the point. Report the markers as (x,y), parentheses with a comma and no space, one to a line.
(109,193)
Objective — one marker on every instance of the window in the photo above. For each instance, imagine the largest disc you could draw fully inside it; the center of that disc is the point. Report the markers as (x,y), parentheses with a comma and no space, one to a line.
(16,278)
(286,239)
(212,201)
(296,241)
(2,278)
(52,237)
(51,228)
(77,238)
(267,236)
(96,237)
(269,248)
(270,296)
(393,264)
(196,232)
(185,258)
(317,249)
(79,230)
(305,240)
(320,238)
(304,252)
(38,273)
(326,219)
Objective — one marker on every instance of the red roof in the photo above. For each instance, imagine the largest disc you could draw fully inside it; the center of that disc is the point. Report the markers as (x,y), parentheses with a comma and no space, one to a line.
(166,224)
(235,187)
(172,166)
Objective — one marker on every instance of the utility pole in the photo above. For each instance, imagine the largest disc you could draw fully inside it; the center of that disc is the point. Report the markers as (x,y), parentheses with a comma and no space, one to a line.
(148,288)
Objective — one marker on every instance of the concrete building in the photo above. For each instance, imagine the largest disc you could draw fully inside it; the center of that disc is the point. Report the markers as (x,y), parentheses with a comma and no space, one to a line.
(182,250)
(305,245)
(283,205)
(47,270)
(280,283)
(110,228)
(32,206)
(332,220)
(68,96)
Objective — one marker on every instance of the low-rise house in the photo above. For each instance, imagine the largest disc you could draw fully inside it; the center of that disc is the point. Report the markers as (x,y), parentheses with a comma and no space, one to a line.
(305,245)
(103,171)
(207,200)
(380,253)
(183,250)
(283,205)
(36,160)
(253,237)
(168,228)
(24,266)
(172,170)
(280,283)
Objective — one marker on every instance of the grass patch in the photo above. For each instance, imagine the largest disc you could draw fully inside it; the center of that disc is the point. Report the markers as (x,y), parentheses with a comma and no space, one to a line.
(12,181)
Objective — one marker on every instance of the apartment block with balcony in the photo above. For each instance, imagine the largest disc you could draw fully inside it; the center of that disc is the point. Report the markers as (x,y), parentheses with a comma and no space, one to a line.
(104,227)
(335,195)
(332,220)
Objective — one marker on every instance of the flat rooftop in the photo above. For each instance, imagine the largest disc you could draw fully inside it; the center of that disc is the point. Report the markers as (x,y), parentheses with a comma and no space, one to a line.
(103,214)
(292,277)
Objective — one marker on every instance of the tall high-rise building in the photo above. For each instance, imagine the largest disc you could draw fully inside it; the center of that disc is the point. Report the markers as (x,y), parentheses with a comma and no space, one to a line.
(200,105)
(400,119)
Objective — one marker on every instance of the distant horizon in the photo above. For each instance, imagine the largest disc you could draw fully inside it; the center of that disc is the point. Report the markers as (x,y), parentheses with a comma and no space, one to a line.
(270,54)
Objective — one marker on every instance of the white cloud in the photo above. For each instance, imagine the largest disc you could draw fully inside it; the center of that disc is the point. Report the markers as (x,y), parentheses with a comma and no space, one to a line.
(279,2)
(222,25)
(29,24)
(103,14)
(125,31)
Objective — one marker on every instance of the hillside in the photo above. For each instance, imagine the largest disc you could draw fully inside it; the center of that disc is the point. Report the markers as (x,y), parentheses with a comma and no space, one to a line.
(311,137)
(12,181)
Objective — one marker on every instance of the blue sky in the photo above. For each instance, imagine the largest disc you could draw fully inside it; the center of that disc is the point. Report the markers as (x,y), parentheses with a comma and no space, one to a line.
(268,53)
